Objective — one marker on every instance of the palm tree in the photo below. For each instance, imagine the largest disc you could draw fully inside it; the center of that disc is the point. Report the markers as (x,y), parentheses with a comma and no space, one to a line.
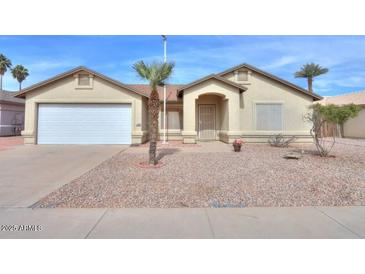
(156,73)
(5,64)
(20,73)
(310,71)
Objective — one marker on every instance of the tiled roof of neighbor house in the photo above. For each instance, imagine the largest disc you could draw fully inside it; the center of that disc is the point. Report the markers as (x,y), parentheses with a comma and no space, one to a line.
(8,96)
(357,98)
(171,91)
(273,77)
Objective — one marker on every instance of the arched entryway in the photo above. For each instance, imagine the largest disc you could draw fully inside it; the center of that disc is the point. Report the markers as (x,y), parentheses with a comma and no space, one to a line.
(211,112)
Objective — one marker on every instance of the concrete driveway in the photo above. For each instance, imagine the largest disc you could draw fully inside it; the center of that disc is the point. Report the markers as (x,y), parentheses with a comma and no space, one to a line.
(8,142)
(30,172)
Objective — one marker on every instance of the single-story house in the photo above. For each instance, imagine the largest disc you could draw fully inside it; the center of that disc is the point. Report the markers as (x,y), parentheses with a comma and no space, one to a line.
(11,114)
(82,106)
(354,127)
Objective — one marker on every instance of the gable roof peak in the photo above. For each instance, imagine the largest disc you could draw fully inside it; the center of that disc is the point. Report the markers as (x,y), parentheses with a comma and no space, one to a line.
(212,76)
(273,77)
(22,93)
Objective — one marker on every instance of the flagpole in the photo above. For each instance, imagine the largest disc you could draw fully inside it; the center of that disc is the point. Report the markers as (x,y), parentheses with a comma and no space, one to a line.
(164,90)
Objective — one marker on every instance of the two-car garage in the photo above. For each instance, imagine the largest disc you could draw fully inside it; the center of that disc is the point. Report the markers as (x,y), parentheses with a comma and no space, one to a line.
(82,106)
(84,124)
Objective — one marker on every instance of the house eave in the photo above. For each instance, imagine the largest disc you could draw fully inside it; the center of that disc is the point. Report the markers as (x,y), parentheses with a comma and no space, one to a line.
(60,76)
(315,96)
(209,77)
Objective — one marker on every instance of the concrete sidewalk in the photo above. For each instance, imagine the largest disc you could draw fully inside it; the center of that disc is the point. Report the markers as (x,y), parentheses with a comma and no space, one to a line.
(265,222)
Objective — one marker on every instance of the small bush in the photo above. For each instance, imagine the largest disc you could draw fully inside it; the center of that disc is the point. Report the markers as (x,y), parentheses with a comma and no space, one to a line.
(279,140)
(320,114)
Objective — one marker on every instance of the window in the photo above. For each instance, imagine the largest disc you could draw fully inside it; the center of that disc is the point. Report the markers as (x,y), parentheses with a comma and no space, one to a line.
(268,117)
(242,76)
(174,119)
(18,118)
(84,80)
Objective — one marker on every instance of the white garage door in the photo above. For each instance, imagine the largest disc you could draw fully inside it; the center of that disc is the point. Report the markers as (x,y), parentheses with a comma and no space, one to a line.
(84,124)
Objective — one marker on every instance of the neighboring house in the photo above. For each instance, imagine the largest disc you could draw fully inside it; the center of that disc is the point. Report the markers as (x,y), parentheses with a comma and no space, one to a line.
(11,114)
(354,127)
(82,106)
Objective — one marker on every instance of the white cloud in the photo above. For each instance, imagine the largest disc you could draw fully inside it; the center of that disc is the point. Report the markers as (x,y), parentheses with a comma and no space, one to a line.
(281,62)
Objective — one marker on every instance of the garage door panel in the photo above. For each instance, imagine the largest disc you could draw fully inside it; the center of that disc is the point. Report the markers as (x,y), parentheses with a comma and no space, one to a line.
(84,124)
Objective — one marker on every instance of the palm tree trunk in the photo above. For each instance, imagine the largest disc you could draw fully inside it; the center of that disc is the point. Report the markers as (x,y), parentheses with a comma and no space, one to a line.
(310,84)
(154,109)
(1,82)
(20,86)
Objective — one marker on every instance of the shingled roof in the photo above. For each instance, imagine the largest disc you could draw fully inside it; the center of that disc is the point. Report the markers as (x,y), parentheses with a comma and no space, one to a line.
(8,96)
(171,91)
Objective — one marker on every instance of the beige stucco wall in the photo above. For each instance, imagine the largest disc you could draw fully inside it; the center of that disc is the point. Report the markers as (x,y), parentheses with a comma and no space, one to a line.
(261,89)
(355,127)
(145,120)
(65,91)
(236,111)
(145,114)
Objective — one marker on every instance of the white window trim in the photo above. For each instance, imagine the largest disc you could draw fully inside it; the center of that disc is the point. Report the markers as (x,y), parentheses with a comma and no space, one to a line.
(254,125)
(77,86)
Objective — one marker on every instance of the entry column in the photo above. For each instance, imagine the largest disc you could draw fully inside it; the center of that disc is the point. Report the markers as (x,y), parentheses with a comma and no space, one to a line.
(189,119)
(234,117)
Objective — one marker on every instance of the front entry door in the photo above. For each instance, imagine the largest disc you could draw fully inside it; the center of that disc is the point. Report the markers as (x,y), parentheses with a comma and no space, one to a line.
(207,122)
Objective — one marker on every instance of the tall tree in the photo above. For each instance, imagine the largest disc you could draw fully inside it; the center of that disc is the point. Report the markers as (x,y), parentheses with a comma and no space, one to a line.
(310,71)
(20,73)
(5,64)
(156,73)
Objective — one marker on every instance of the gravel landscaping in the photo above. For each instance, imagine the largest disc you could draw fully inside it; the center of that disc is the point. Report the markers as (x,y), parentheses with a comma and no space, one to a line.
(215,176)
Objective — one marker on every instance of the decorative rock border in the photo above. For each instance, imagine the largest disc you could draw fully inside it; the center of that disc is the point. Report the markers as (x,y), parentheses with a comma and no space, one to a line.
(171,144)
(146,165)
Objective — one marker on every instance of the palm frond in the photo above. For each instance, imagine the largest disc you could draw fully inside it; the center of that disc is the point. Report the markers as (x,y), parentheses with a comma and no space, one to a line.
(310,70)
(20,73)
(5,64)
(156,72)
(165,72)
(142,70)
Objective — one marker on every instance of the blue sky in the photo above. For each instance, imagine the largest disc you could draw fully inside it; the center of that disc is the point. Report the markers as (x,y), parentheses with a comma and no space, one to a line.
(195,56)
